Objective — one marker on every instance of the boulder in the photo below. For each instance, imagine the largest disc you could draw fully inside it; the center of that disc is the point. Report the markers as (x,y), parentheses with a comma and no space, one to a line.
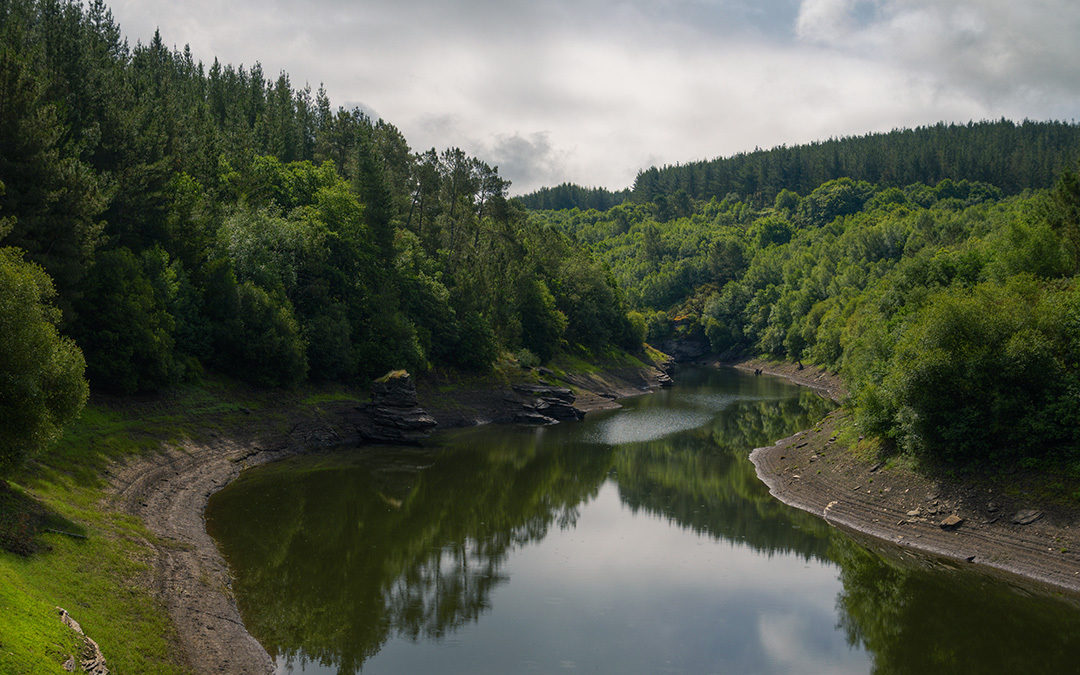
(559,410)
(395,389)
(1026,517)
(534,418)
(951,522)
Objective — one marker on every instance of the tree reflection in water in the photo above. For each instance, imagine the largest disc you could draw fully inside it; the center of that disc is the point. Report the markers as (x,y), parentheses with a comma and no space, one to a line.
(336,554)
(920,616)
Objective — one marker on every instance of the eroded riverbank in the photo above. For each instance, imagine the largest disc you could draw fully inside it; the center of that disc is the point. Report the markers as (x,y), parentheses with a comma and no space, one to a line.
(970,521)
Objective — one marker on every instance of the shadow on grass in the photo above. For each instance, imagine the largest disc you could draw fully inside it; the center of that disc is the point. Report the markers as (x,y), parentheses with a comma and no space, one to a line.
(23,518)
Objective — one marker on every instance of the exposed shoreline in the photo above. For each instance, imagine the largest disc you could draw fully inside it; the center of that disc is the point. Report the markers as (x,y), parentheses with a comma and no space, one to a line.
(169,491)
(900,507)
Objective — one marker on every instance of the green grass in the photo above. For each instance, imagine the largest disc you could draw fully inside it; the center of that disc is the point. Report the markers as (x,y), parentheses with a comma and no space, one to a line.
(585,362)
(102,580)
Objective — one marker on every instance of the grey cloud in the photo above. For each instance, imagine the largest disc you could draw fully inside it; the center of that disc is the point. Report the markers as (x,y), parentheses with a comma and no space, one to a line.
(1002,52)
(530,161)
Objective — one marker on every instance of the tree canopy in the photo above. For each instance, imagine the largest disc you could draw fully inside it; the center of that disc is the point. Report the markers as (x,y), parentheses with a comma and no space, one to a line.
(201,217)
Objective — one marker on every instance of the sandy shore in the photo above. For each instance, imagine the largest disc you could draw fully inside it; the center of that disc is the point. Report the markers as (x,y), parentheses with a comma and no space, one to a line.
(968,520)
(169,492)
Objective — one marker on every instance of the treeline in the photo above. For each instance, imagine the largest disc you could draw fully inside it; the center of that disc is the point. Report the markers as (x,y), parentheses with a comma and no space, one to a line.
(952,311)
(1012,157)
(570,196)
(195,218)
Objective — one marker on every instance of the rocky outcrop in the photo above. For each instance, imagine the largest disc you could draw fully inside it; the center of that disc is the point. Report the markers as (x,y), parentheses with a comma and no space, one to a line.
(394,414)
(544,404)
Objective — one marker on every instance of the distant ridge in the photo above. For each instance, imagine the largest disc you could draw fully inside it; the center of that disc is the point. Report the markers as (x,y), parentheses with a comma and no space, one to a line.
(1012,156)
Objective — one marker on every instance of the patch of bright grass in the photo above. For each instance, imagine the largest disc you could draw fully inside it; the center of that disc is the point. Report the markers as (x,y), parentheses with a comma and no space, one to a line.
(101,580)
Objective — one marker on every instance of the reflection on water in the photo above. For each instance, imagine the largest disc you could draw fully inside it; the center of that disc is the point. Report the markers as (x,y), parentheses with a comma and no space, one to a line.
(637,541)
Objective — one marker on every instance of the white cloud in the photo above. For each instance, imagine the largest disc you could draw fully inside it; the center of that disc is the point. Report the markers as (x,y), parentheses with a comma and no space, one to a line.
(826,20)
(591,92)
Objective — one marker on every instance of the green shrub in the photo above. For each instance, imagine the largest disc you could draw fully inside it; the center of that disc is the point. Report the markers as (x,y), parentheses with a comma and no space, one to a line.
(41,370)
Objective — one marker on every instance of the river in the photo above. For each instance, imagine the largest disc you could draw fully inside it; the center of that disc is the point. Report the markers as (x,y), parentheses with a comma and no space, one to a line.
(637,541)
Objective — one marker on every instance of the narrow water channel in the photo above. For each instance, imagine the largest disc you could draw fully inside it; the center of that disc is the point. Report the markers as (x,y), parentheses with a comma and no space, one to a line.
(637,541)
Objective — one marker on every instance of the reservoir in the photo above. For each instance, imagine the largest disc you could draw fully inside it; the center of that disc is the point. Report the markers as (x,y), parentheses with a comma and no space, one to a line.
(637,541)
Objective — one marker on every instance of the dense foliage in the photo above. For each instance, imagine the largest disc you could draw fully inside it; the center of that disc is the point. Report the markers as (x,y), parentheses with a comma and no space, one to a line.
(569,196)
(40,370)
(951,310)
(197,217)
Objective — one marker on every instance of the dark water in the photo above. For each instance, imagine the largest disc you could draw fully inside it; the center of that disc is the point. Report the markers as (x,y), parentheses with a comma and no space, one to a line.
(638,541)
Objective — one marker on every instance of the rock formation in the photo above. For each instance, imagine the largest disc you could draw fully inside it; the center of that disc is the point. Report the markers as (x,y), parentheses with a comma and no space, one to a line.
(544,404)
(394,414)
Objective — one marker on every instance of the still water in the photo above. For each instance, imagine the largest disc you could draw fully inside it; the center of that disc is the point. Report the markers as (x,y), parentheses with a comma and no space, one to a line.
(637,541)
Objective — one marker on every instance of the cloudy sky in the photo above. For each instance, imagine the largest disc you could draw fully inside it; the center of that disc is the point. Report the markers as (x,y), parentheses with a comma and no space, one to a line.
(591,91)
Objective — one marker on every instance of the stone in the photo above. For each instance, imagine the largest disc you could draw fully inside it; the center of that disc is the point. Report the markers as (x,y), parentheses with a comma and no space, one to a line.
(1026,516)
(951,522)
(559,410)
(915,512)
(395,389)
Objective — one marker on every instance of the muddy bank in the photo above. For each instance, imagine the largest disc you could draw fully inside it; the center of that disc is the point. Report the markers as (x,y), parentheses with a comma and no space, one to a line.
(169,491)
(971,521)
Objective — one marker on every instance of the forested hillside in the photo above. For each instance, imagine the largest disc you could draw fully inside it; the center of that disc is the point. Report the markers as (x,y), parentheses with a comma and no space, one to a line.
(1012,157)
(951,310)
(200,217)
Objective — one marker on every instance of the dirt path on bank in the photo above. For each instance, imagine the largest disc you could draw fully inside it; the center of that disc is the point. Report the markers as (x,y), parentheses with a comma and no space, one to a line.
(169,491)
(969,520)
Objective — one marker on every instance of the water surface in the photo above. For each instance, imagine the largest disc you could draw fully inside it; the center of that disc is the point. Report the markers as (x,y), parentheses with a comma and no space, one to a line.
(637,541)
